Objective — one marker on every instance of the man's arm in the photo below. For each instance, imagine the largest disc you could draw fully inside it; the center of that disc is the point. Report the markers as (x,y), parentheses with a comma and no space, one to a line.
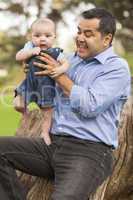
(64,66)
(65,83)
(90,102)
(108,89)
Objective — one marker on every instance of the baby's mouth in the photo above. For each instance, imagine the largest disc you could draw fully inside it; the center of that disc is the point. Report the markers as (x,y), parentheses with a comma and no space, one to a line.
(43,46)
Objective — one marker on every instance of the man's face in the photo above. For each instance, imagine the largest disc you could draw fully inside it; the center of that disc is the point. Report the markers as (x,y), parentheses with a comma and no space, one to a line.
(89,40)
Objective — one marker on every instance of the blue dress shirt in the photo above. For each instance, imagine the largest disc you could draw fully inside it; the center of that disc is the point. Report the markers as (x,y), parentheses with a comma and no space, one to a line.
(101,87)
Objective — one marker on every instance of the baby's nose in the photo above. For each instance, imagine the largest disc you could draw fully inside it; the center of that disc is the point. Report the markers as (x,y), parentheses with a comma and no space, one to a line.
(43,38)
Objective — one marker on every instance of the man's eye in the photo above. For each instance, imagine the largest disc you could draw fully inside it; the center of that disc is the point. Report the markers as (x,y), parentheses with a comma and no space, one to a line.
(79,32)
(88,34)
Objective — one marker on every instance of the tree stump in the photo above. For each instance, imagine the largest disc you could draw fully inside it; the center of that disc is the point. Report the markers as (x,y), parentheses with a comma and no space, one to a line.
(119,186)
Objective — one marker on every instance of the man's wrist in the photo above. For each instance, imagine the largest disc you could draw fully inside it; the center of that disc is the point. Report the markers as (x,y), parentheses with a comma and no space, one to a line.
(65,83)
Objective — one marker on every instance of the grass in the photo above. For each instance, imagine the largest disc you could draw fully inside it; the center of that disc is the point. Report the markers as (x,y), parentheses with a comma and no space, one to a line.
(9,118)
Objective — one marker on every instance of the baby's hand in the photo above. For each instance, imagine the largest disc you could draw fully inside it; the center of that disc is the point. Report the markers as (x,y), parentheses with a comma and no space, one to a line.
(36,51)
(46,138)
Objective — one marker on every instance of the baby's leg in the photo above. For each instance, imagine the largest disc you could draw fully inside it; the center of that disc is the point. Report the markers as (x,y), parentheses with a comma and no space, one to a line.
(19,104)
(47,119)
(19,99)
(46,93)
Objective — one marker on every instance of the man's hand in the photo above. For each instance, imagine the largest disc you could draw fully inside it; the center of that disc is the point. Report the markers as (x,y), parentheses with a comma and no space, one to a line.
(63,80)
(48,68)
(25,68)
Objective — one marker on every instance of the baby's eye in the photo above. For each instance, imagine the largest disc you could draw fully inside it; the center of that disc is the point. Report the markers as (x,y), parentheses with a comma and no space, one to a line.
(48,35)
(37,35)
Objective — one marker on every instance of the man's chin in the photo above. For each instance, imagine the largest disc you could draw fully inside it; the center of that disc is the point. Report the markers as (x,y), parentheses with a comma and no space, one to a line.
(82,55)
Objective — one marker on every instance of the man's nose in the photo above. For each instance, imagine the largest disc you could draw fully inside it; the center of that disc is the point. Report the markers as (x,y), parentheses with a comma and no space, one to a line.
(81,37)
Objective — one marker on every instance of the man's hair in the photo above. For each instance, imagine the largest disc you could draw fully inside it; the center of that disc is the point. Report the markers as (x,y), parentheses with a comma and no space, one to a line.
(107,22)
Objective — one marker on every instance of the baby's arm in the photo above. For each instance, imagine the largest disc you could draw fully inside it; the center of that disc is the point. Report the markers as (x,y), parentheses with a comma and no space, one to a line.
(63,67)
(24,54)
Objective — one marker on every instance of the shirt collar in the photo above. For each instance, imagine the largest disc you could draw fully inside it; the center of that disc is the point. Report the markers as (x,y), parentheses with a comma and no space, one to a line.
(101,57)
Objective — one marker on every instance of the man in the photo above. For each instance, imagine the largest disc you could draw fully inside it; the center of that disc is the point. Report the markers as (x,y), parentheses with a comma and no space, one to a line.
(84,131)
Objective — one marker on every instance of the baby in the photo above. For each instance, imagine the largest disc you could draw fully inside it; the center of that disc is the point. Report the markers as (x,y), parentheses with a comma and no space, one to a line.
(40,90)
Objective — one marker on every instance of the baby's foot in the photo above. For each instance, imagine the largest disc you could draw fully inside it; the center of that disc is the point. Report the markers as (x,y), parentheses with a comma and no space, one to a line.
(46,138)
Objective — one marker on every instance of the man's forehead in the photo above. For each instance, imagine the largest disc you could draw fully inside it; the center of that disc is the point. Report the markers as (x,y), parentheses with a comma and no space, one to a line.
(88,23)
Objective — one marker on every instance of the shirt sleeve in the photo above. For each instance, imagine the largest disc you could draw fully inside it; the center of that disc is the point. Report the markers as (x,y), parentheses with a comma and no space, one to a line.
(106,90)
(61,57)
(28,45)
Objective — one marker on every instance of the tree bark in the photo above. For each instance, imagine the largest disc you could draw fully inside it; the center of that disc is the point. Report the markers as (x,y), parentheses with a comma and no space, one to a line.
(119,186)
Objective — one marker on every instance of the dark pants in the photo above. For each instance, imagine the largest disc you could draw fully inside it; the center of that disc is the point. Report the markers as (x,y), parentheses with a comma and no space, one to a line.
(77,166)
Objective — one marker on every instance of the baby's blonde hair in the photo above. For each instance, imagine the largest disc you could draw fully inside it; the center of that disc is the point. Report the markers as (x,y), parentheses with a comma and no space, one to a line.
(43,20)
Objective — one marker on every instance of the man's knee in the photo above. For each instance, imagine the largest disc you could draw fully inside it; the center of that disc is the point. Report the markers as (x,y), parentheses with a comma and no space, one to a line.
(4,144)
(69,194)
(66,197)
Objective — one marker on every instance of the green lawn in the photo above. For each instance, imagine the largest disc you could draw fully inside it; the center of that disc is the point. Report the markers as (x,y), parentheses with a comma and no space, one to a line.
(9,118)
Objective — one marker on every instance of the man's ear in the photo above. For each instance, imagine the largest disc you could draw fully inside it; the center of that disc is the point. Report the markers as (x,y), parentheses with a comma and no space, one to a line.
(107,39)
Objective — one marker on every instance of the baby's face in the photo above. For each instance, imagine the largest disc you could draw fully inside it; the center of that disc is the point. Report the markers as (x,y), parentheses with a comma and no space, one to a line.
(43,35)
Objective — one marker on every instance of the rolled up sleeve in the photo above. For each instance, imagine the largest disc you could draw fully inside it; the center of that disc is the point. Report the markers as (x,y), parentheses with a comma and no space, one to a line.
(80,102)
(105,90)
